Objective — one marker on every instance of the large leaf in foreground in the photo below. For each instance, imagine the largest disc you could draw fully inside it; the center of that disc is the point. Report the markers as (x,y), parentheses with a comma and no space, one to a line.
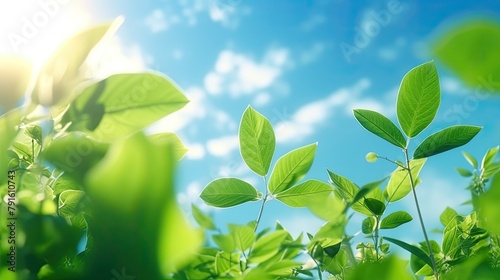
(418,99)
(227,192)
(446,139)
(290,168)
(59,76)
(257,141)
(381,126)
(123,104)
(305,194)
(470,49)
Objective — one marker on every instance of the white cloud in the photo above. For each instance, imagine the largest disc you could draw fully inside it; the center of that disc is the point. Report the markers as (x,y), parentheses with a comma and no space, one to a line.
(111,56)
(223,146)
(306,119)
(157,21)
(262,99)
(177,54)
(238,75)
(191,195)
(196,151)
(223,121)
(312,22)
(391,52)
(312,53)
(227,12)
(450,85)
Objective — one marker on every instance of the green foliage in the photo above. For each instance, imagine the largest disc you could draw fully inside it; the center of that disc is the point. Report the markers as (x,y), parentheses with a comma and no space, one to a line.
(458,50)
(418,99)
(88,172)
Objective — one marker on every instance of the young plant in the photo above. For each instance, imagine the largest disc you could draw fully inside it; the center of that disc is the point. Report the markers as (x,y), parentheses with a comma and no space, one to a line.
(417,105)
(257,145)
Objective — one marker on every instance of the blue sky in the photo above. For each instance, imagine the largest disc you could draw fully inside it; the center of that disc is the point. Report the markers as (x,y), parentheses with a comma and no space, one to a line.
(303,64)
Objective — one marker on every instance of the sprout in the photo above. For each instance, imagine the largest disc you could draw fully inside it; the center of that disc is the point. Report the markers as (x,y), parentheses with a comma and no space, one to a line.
(371,157)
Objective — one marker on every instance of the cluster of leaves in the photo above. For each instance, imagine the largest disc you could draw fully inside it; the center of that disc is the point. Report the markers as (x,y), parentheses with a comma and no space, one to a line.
(94,195)
(330,248)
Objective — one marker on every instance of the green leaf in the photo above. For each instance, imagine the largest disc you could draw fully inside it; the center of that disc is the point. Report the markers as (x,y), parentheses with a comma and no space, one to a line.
(75,153)
(290,168)
(412,249)
(123,104)
(35,133)
(464,172)
(381,126)
(399,183)
(375,206)
(368,225)
(202,219)
(489,156)
(134,181)
(367,189)
(491,169)
(72,206)
(451,240)
(244,236)
(418,99)
(227,192)
(348,190)
(304,194)
(458,49)
(489,206)
(267,246)
(390,268)
(395,219)
(470,159)
(15,74)
(446,139)
(225,242)
(447,215)
(257,141)
(331,233)
(171,139)
(58,79)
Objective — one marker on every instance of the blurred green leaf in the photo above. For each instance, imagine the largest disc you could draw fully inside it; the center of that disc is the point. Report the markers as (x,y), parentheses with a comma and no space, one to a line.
(470,50)
(123,104)
(464,172)
(375,206)
(489,156)
(172,139)
(418,99)
(244,236)
(58,79)
(202,219)
(257,141)
(391,268)
(267,246)
(331,233)
(15,74)
(368,225)
(470,159)
(490,207)
(447,215)
(72,206)
(35,133)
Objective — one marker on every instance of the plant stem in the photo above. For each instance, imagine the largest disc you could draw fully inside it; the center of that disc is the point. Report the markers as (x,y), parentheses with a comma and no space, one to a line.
(261,210)
(376,238)
(431,254)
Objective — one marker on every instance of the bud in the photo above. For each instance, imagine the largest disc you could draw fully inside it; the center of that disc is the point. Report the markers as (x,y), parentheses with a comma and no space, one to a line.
(371,157)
